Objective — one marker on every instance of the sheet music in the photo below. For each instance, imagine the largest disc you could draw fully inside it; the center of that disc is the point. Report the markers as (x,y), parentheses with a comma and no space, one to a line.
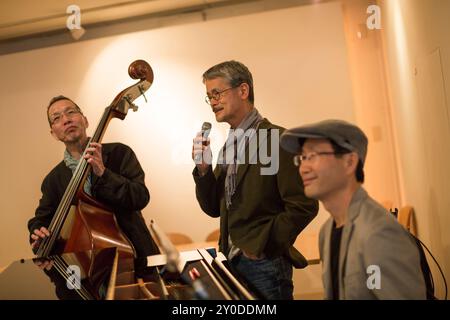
(161,259)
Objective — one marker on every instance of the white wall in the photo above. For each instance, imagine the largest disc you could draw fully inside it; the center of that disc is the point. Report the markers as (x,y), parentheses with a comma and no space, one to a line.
(298,60)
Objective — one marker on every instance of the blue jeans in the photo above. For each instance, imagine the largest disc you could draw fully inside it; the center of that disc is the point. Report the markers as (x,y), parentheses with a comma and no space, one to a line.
(272,278)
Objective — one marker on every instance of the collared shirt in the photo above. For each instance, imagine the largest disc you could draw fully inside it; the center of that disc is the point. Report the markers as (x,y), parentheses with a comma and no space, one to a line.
(72,164)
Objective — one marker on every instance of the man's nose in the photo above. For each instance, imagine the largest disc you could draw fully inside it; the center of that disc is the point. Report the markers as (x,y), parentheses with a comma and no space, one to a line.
(213,102)
(304,168)
(66,118)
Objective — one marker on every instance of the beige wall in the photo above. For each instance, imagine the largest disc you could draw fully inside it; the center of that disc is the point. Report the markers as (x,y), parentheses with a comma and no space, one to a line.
(298,59)
(416,37)
(371,105)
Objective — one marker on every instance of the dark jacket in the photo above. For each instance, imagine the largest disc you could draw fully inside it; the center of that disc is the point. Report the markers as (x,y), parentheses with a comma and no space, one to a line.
(268,211)
(121,187)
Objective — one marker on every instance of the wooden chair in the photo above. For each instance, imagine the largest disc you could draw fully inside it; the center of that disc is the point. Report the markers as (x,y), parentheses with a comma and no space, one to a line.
(213,236)
(406,218)
(179,238)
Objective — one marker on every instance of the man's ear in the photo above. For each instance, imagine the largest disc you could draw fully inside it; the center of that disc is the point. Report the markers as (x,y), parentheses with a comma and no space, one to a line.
(244,91)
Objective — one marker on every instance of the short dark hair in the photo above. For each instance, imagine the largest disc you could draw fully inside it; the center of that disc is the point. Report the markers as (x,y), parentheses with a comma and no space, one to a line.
(234,72)
(58,98)
(359,173)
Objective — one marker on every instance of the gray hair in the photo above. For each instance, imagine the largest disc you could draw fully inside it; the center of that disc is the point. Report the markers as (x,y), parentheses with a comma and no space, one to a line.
(234,72)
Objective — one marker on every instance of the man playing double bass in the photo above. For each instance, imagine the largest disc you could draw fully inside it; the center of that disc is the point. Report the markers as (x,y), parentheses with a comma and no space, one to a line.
(116,179)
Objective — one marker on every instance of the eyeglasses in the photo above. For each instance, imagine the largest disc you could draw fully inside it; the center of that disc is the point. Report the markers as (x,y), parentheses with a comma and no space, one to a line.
(69,113)
(216,95)
(312,156)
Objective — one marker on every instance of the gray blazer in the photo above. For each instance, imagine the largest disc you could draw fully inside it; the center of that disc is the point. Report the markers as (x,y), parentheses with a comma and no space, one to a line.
(372,237)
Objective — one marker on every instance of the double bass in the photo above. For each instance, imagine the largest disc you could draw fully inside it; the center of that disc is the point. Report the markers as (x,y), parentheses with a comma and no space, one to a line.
(81,223)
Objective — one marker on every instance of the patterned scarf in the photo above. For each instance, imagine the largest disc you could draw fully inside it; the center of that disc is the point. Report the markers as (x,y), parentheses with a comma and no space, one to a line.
(72,164)
(233,151)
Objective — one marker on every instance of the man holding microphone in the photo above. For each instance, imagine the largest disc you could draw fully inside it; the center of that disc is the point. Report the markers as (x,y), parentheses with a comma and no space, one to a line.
(261,211)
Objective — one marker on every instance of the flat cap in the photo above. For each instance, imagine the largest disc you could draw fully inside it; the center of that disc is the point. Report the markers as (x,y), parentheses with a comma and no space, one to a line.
(343,133)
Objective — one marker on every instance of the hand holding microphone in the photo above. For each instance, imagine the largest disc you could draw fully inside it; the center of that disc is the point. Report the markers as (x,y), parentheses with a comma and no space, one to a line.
(201,152)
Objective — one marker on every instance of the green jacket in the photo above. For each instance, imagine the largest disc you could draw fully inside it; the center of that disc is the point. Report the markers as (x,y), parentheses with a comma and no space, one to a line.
(268,211)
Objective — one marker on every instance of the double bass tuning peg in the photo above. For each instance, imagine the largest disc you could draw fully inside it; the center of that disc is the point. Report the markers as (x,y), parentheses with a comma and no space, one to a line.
(132,105)
(141,89)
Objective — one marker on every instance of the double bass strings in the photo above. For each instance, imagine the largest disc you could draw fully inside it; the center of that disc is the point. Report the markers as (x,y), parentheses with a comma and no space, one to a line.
(78,177)
(62,267)
(63,209)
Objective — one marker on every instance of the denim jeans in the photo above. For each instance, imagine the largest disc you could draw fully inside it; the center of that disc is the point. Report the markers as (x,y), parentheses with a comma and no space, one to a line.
(272,278)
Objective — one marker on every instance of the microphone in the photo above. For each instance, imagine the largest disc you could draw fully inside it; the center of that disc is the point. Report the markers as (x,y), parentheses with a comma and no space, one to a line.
(206,129)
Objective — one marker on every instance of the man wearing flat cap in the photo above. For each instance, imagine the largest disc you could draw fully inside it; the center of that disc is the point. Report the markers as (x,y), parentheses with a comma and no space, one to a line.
(365,252)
